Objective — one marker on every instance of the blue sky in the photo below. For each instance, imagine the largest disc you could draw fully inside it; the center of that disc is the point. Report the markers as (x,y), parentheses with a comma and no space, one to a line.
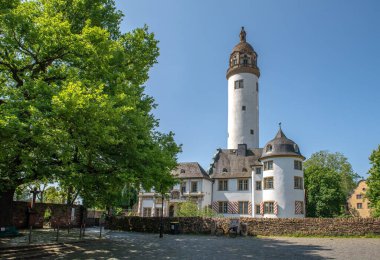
(319,63)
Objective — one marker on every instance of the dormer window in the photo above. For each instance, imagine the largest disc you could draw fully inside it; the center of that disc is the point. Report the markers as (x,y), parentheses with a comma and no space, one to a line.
(225,170)
(296,149)
(245,60)
(269,148)
(183,171)
(244,170)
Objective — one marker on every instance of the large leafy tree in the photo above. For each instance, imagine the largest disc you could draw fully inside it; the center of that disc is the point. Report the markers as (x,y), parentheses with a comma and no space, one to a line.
(73,107)
(329,179)
(373,181)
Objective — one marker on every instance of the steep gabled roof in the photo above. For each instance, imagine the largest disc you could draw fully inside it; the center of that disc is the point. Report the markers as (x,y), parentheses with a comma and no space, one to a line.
(228,164)
(190,170)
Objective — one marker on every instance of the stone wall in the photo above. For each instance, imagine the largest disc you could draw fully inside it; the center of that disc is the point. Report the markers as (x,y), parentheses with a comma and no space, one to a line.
(266,227)
(60,214)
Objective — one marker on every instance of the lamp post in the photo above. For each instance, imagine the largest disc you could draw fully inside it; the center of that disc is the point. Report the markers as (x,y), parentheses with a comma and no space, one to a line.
(162,213)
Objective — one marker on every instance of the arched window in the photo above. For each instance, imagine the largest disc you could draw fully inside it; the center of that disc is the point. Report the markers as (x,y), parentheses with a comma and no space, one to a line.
(269,148)
(225,170)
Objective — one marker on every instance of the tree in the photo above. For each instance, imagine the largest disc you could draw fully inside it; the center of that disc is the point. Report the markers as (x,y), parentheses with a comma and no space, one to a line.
(190,209)
(373,182)
(73,106)
(329,179)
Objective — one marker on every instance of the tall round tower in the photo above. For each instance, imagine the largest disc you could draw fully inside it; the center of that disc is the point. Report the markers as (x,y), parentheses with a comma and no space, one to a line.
(243,95)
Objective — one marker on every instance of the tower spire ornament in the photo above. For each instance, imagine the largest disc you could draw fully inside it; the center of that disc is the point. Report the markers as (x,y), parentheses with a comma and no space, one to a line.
(243,35)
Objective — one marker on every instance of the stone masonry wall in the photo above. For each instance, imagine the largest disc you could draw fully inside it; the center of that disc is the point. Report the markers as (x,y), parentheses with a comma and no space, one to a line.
(266,227)
(60,214)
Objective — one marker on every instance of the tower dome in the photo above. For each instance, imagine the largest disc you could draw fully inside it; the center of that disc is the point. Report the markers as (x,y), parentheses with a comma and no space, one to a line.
(243,58)
(281,146)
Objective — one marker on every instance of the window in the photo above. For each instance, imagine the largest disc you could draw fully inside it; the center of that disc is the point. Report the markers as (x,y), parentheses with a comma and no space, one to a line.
(299,207)
(252,132)
(244,170)
(158,212)
(147,212)
(268,183)
(257,206)
(359,205)
(269,148)
(243,207)
(175,195)
(243,108)
(239,84)
(297,165)
(223,207)
(268,165)
(363,189)
(183,187)
(257,86)
(268,207)
(194,186)
(225,170)
(258,170)
(183,171)
(298,182)
(358,196)
(258,185)
(223,185)
(243,184)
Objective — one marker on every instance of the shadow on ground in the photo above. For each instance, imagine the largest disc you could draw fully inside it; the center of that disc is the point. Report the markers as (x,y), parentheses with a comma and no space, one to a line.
(127,245)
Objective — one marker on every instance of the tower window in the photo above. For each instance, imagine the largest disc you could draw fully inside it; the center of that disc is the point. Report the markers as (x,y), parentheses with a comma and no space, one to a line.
(297,165)
(239,84)
(252,132)
(268,183)
(257,86)
(268,165)
(269,148)
(243,108)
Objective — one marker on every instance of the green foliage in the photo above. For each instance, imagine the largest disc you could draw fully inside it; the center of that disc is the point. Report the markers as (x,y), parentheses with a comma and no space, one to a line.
(190,209)
(74,109)
(329,179)
(373,182)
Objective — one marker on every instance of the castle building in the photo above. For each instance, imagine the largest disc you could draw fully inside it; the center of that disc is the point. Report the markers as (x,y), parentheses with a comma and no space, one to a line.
(245,180)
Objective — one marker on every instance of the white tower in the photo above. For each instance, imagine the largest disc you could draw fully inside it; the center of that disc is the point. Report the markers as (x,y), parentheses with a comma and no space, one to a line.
(243,96)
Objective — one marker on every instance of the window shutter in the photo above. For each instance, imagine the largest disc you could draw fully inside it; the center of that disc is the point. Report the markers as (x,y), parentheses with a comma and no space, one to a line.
(275,208)
(262,208)
(215,206)
(250,208)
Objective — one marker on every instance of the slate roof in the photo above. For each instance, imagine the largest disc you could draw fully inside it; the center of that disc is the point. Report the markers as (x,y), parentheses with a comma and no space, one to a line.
(237,166)
(190,170)
(281,146)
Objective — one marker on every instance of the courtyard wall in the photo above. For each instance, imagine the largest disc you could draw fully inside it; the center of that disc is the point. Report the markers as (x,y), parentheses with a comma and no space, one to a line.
(265,226)
(61,214)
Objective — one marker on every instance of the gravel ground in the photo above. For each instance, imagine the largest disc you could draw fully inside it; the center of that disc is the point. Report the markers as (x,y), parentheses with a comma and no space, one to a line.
(128,245)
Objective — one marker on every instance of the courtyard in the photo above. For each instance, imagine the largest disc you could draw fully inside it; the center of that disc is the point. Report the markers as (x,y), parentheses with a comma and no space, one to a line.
(130,245)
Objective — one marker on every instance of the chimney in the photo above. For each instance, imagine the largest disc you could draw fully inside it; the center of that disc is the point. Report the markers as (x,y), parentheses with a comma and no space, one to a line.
(242,150)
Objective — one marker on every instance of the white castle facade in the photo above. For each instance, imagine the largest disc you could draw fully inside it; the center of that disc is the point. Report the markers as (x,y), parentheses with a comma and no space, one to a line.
(243,180)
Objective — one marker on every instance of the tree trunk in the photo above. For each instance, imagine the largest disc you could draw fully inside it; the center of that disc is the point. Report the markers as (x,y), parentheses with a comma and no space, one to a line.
(6,207)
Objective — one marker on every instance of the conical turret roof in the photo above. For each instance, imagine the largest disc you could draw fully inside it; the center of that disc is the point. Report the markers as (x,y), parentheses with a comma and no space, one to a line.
(281,146)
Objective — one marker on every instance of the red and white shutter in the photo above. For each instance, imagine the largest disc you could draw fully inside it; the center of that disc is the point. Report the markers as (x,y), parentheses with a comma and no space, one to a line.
(275,208)
(250,208)
(215,206)
(262,208)
(233,207)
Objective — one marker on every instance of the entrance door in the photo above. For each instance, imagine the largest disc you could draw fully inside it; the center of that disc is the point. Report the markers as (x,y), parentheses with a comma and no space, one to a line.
(171,211)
